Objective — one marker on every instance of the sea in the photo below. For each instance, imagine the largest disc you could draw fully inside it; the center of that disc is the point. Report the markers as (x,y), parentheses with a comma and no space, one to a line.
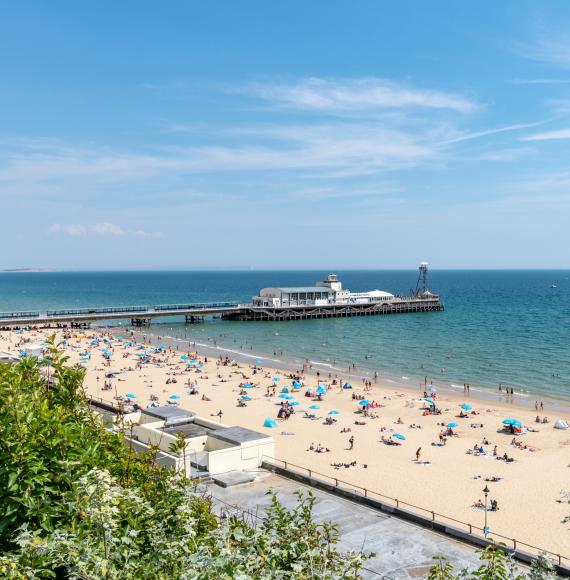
(498,327)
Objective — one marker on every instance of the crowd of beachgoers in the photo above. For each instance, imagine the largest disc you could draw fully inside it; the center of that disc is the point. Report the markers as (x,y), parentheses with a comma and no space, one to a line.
(425,447)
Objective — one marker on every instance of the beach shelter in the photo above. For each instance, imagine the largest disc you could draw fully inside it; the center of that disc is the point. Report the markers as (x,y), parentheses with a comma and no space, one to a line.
(296,385)
(561,424)
(270,423)
(321,390)
(466,407)
(364,402)
(399,436)
(314,407)
(131,396)
(333,412)
(347,386)
(174,397)
(285,390)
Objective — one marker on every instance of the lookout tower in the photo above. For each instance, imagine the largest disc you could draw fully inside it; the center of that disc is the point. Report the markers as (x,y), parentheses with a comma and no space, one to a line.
(423,277)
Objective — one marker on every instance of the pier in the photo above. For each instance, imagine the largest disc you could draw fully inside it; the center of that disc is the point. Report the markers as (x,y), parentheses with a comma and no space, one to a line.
(327,299)
(191,313)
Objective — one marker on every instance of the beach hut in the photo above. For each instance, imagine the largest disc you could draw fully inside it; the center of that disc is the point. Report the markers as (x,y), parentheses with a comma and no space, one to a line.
(270,423)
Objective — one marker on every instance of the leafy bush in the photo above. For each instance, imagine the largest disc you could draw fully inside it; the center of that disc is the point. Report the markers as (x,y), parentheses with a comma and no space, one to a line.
(76,502)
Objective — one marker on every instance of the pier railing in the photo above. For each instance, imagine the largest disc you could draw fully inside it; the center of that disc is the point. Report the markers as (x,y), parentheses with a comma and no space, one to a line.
(423,516)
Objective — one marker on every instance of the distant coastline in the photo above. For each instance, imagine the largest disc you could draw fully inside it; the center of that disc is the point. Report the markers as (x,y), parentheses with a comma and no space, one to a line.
(19,270)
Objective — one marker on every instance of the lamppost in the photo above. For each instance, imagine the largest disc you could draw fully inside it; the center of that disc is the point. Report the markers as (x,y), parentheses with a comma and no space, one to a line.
(486,493)
(98,392)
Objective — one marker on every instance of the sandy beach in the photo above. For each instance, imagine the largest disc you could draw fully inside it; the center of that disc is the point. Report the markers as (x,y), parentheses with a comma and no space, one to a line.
(448,477)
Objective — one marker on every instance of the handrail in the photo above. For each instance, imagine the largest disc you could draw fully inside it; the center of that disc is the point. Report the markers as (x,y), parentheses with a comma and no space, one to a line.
(432,514)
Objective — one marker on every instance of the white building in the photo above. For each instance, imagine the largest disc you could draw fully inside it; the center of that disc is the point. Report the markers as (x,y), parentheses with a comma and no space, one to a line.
(327,292)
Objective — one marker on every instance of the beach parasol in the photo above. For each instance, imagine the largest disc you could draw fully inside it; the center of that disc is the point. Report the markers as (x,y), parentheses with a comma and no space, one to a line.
(399,436)
(246,397)
(429,400)
(364,402)
(288,397)
(451,425)
(174,397)
(513,422)
(248,386)
(258,361)
(466,407)
(131,396)
(333,412)
(285,390)
(294,403)
(276,379)
(321,390)
(314,407)
(432,390)
(269,423)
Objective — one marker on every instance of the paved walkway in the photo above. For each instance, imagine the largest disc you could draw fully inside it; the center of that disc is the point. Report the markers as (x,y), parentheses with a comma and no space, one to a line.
(403,550)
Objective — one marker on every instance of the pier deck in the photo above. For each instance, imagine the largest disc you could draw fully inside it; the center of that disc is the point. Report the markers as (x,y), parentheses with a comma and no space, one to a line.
(142,315)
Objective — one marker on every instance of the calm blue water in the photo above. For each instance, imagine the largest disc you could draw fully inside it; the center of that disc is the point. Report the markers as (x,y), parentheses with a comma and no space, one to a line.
(498,326)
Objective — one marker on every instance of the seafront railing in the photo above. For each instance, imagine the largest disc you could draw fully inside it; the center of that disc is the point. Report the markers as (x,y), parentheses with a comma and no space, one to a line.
(421,515)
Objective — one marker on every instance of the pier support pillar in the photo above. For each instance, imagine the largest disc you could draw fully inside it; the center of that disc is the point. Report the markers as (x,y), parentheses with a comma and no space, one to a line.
(140,321)
(191,319)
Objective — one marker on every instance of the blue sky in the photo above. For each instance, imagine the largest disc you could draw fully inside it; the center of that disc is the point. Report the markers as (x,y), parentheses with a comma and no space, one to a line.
(324,134)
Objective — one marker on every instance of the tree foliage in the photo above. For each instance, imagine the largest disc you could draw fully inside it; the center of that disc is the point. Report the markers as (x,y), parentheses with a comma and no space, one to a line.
(76,502)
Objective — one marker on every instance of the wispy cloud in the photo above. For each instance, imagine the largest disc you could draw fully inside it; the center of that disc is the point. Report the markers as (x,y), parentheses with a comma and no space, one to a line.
(489,132)
(548,135)
(552,48)
(370,93)
(103,229)
(540,81)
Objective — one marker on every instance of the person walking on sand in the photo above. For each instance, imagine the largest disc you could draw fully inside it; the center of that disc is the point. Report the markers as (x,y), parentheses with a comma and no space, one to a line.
(351,442)
(418,453)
